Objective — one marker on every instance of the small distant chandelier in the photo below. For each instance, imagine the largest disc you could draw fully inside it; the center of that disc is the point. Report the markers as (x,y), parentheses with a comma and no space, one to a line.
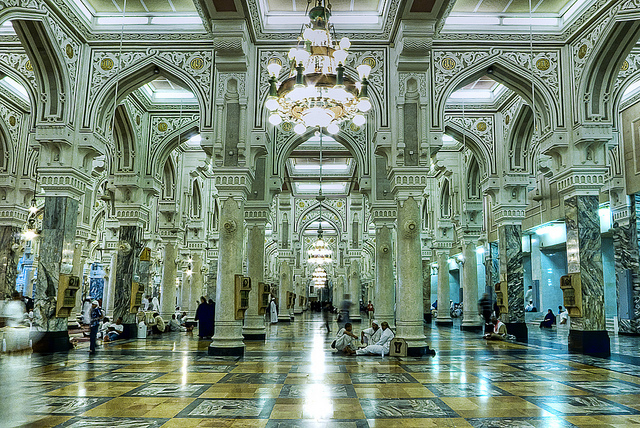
(317,92)
(319,277)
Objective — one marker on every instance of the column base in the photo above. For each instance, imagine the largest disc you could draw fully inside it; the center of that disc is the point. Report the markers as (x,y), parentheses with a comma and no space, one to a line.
(519,330)
(444,322)
(254,336)
(48,342)
(226,352)
(471,327)
(420,351)
(594,343)
(283,320)
(427,318)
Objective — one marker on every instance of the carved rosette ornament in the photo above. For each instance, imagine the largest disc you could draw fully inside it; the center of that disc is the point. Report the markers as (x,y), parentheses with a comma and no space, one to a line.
(229,226)
(410,228)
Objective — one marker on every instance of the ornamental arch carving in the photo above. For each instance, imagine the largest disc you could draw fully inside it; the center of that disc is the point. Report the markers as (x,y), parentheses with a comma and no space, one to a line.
(308,216)
(483,154)
(100,105)
(511,74)
(159,152)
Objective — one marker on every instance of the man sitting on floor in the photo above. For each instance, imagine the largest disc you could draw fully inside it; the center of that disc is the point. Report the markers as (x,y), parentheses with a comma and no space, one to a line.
(159,325)
(344,341)
(549,320)
(381,347)
(371,335)
(114,331)
(499,330)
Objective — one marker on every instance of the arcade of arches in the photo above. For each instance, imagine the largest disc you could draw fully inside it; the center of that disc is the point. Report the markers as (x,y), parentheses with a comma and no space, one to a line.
(501,155)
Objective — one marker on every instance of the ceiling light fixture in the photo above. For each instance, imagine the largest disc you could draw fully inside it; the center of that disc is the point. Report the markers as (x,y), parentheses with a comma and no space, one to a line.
(317,92)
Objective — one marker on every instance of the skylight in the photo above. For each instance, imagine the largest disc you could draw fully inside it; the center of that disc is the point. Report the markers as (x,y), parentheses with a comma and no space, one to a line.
(15,88)
(327,188)
(163,91)
(631,90)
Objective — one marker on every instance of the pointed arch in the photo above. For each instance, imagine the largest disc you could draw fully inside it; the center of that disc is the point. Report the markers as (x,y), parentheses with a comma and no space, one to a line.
(473,180)
(357,151)
(513,76)
(51,75)
(595,96)
(125,140)
(132,78)
(169,180)
(196,199)
(485,158)
(160,152)
(305,224)
(5,149)
(33,106)
(520,141)
(445,199)
(311,209)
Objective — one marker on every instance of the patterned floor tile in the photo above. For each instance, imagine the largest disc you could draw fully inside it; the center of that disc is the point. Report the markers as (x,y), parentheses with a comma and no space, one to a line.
(541,367)
(317,391)
(288,423)
(465,390)
(406,408)
(357,378)
(510,376)
(113,422)
(168,390)
(519,423)
(211,408)
(210,368)
(254,378)
(126,377)
(581,405)
(613,387)
(430,368)
(51,405)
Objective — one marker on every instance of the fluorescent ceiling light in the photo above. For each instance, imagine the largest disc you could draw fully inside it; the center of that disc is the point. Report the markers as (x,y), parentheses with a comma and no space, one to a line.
(531,21)
(15,88)
(119,20)
(172,95)
(472,94)
(329,169)
(631,90)
(447,138)
(326,187)
(176,20)
(472,20)
(195,139)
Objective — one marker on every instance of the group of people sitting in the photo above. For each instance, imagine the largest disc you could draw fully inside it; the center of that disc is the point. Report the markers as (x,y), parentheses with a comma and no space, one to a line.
(375,340)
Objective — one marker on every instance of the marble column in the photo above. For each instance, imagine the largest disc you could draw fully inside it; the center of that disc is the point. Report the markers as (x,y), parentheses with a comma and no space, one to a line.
(144,272)
(354,290)
(9,243)
(492,268)
(338,296)
(185,292)
(227,339)
(56,257)
(512,271)
(78,263)
(444,316)
(384,295)
(409,316)
(169,272)
(299,290)
(110,293)
(284,286)
(426,290)
(470,316)
(254,328)
(129,247)
(588,333)
(626,243)
(197,284)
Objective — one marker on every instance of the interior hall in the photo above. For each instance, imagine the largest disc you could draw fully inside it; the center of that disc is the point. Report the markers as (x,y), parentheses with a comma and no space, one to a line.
(337,213)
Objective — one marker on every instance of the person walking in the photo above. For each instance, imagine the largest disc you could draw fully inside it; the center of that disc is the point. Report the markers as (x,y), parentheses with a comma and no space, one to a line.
(96,316)
(370,310)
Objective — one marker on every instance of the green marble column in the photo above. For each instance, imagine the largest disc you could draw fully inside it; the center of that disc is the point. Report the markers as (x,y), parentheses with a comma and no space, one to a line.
(588,334)
(56,257)
(9,242)
(129,247)
(512,272)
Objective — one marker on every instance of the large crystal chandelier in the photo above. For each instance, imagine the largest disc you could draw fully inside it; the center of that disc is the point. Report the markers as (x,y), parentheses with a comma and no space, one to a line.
(317,92)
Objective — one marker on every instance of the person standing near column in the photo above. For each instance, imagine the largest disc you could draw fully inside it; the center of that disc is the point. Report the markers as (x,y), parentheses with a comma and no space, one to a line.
(96,316)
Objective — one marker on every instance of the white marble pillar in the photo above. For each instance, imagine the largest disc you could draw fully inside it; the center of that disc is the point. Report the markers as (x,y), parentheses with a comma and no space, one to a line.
(338,296)
(9,243)
(298,290)
(227,339)
(254,328)
(284,287)
(354,290)
(384,294)
(185,292)
(78,262)
(111,285)
(470,316)
(409,317)
(197,284)
(444,317)
(169,272)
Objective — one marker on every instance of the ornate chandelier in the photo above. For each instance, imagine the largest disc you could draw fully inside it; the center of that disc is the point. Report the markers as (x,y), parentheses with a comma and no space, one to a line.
(317,92)
(319,277)
(319,253)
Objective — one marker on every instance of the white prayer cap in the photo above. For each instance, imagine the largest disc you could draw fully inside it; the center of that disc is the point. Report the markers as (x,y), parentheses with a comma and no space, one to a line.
(95,302)
(375,322)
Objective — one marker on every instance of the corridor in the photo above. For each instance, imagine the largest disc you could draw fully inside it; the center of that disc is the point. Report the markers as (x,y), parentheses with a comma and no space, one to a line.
(293,379)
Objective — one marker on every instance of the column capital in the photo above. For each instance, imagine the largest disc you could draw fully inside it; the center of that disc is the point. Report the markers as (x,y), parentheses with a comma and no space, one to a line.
(581,180)
(63,181)
(233,183)
(256,213)
(407,182)
(384,214)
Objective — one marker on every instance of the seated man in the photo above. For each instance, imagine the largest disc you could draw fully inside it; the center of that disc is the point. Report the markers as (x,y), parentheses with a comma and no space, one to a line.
(174,324)
(563,315)
(344,340)
(530,307)
(114,330)
(159,325)
(499,330)
(381,347)
(549,320)
(371,335)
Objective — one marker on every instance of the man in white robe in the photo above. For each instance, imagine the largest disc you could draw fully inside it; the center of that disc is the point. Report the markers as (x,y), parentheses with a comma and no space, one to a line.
(273,311)
(345,340)
(156,303)
(381,347)
(371,335)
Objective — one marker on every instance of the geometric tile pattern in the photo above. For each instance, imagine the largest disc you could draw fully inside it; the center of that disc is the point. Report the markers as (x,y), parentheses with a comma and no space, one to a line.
(294,379)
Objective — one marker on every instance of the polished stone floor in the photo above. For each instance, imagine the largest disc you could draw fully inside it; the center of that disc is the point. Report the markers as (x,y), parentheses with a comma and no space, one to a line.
(295,380)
